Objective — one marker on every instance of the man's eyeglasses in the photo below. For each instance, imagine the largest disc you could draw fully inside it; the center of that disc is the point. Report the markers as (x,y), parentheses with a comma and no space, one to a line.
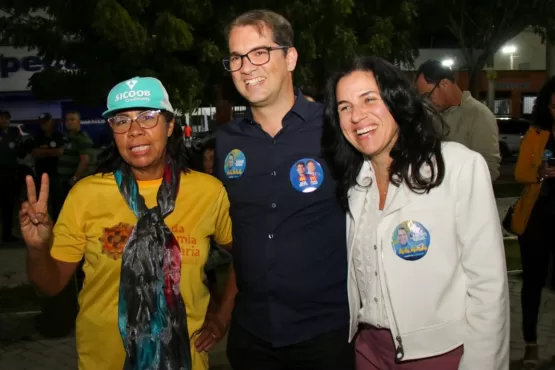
(257,57)
(121,124)
(429,93)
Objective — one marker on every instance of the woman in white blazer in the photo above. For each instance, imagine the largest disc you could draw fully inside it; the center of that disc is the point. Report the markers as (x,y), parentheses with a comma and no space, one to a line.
(427,278)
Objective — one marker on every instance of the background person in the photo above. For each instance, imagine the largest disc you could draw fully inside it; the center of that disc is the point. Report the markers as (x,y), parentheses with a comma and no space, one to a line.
(11,149)
(47,149)
(218,257)
(73,164)
(534,214)
(470,122)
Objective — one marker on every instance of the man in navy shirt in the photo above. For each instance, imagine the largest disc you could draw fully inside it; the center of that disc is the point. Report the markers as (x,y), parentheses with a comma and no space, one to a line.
(289,231)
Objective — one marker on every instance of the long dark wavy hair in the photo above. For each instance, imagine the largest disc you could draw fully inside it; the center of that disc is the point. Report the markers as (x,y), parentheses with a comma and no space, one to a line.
(541,114)
(420,131)
(110,159)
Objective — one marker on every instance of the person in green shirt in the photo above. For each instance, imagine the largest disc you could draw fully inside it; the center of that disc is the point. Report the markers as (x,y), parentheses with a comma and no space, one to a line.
(74,162)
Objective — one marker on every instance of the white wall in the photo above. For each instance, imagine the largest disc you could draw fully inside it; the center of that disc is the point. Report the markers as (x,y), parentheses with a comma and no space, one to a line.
(530,53)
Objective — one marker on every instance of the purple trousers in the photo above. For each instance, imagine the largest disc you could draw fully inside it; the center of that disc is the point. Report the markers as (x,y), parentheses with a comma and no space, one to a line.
(375,350)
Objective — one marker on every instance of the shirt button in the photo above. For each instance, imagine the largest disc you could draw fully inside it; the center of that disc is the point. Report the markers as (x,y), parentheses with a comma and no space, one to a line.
(375,247)
(274,141)
(376,299)
(270,236)
(274,205)
(273,173)
(376,273)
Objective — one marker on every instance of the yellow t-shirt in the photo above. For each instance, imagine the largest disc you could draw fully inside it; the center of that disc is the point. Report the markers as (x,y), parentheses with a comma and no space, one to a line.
(95,222)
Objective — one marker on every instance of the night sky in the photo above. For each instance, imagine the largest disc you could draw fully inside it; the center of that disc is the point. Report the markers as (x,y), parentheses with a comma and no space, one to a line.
(438,40)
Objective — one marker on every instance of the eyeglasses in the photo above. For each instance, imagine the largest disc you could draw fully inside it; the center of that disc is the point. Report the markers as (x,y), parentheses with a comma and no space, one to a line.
(429,93)
(257,57)
(122,124)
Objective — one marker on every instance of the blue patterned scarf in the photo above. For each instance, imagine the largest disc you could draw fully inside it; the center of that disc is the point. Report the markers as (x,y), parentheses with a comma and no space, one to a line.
(152,317)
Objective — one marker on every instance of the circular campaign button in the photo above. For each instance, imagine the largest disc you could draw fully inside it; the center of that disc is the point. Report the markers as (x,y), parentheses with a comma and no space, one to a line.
(306,175)
(235,164)
(410,240)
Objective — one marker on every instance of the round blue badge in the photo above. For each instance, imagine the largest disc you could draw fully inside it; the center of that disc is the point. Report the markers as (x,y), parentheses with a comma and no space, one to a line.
(235,164)
(410,240)
(306,175)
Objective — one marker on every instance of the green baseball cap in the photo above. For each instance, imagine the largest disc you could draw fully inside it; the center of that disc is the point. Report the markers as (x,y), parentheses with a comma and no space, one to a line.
(138,92)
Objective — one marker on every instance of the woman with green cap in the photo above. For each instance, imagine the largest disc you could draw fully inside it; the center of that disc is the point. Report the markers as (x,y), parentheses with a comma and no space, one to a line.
(143,225)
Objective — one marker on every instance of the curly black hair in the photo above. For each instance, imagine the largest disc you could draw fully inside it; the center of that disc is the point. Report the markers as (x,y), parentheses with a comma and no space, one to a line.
(421,131)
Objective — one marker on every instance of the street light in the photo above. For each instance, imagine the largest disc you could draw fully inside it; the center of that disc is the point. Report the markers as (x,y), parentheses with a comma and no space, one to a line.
(511,50)
(447,62)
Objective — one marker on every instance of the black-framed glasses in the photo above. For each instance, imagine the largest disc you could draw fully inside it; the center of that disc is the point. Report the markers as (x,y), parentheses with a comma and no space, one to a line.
(429,93)
(121,124)
(257,57)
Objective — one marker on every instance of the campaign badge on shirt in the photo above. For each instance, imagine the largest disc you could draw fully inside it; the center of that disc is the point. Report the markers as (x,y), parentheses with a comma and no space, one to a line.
(235,164)
(52,144)
(410,240)
(306,175)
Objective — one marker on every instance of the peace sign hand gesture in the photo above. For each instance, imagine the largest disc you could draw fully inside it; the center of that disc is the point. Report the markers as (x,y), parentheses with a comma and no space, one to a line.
(36,225)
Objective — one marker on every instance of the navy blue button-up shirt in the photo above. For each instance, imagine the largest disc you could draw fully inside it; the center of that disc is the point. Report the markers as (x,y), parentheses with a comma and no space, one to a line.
(289,230)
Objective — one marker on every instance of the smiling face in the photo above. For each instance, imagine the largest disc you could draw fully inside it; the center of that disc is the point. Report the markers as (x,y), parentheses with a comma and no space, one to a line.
(364,117)
(300,169)
(265,84)
(230,161)
(402,237)
(144,149)
(311,167)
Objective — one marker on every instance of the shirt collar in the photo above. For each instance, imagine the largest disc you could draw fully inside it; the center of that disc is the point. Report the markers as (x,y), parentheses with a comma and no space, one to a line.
(465,96)
(365,176)
(301,108)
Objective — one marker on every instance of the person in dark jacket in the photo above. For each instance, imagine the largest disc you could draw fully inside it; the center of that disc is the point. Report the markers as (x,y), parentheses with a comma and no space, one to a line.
(11,149)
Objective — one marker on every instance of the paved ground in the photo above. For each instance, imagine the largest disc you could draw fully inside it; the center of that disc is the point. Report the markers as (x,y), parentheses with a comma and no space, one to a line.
(26,350)
(42,354)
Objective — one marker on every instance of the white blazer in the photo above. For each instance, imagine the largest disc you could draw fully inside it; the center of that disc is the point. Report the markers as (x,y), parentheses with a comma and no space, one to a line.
(448,286)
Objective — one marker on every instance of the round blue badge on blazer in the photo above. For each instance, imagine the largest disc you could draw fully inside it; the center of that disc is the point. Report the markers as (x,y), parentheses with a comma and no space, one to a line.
(410,240)
(235,164)
(306,175)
